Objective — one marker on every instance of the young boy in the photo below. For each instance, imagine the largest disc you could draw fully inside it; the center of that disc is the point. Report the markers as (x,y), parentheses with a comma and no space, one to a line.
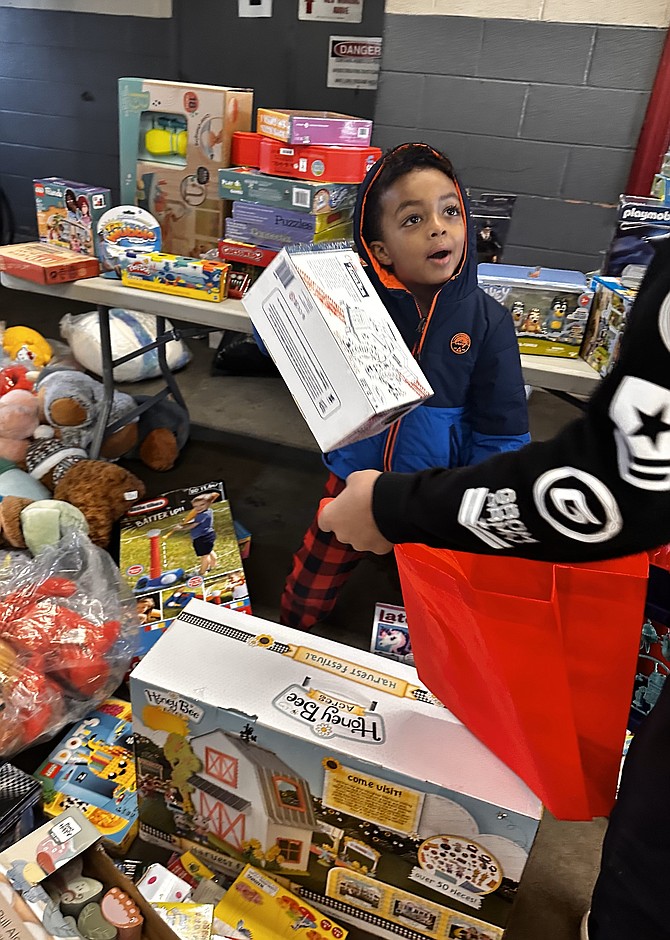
(413,231)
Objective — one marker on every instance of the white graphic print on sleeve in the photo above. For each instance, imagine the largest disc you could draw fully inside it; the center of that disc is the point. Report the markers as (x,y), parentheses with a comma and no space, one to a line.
(577,505)
(493,517)
(664,322)
(640,411)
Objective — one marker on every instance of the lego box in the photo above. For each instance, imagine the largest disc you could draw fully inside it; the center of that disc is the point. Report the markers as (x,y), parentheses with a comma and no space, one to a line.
(549,307)
(610,310)
(314,127)
(173,138)
(93,768)
(328,767)
(68,213)
(305,196)
(177,546)
(335,344)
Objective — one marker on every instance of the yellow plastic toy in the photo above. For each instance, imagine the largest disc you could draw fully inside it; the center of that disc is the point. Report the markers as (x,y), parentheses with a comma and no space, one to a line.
(26,346)
(160,142)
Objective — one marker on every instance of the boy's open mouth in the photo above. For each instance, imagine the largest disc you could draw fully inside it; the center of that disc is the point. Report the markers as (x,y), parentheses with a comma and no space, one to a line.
(441,255)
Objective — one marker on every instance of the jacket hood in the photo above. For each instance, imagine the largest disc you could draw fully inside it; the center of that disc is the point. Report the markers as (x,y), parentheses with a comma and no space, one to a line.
(463,282)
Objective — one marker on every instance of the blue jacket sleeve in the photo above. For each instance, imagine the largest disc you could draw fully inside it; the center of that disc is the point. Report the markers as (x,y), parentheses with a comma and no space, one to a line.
(259,341)
(497,399)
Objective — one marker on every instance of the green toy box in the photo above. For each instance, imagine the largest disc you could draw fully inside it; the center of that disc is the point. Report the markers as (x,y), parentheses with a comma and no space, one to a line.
(68,213)
(242,182)
(173,138)
(331,768)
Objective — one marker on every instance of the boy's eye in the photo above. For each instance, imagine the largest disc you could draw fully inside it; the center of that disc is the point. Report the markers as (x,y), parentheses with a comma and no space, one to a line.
(412,219)
(453,210)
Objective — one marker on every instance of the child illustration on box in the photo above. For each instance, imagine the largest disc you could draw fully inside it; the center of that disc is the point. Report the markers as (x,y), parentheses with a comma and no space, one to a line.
(413,230)
(85,211)
(73,214)
(200,525)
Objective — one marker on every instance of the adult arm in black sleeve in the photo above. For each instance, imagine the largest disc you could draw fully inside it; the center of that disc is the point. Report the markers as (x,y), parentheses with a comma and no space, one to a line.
(599,489)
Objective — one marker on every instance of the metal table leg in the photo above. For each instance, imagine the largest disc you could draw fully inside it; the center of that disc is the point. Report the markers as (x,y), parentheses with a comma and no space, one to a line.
(107,381)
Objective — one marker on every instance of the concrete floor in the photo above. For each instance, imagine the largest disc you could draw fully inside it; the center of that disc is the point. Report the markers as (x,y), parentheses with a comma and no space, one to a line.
(248,433)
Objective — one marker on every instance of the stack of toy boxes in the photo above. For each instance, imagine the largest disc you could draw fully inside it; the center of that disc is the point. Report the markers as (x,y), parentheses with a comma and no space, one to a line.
(173,138)
(549,307)
(294,181)
(329,767)
(610,310)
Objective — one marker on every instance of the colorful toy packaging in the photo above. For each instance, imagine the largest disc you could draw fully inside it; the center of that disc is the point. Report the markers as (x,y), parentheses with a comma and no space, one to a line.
(273,232)
(261,907)
(304,196)
(45,264)
(324,765)
(303,161)
(174,137)
(314,127)
(172,274)
(300,226)
(93,768)
(639,221)
(334,343)
(68,213)
(178,546)
(549,307)
(610,310)
(390,634)
(122,229)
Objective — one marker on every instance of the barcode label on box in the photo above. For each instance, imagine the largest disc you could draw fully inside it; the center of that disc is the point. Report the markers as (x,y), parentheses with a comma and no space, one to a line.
(302,198)
(284,273)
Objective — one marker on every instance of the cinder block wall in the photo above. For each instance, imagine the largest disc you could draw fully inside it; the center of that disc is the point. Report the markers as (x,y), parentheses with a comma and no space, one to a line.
(544,98)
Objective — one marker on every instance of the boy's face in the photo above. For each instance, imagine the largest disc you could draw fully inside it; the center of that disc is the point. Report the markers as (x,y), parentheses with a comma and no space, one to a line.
(422,229)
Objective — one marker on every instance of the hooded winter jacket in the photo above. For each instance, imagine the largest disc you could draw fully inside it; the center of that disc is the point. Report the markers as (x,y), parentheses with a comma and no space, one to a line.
(467,348)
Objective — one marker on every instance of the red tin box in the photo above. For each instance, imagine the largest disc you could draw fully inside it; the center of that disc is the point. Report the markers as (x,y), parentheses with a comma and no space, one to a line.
(310,161)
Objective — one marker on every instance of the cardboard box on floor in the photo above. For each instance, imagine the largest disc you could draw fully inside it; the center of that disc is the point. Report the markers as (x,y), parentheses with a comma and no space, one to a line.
(330,768)
(179,186)
(26,864)
(334,343)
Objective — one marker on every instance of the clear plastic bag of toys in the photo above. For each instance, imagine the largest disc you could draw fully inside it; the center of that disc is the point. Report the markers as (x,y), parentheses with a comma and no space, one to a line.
(68,632)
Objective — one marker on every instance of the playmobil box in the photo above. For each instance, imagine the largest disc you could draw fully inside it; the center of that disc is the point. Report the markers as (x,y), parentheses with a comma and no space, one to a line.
(52,882)
(46,264)
(300,226)
(68,213)
(303,161)
(612,303)
(243,182)
(173,138)
(549,307)
(177,546)
(640,221)
(93,768)
(335,345)
(331,769)
(314,127)
(174,274)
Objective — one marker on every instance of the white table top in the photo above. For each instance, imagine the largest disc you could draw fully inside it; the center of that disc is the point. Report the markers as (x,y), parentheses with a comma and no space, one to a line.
(573,376)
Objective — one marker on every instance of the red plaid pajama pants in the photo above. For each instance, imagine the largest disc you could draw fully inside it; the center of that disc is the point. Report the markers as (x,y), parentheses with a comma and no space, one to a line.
(321,568)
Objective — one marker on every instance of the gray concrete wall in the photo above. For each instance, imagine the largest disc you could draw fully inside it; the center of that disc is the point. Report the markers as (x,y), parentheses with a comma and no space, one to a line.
(58,73)
(551,111)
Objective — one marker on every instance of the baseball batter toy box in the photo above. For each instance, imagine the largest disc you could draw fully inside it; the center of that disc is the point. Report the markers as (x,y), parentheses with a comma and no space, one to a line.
(177,546)
(303,161)
(173,138)
(244,182)
(59,883)
(610,310)
(334,343)
(174,274)
(314,127)
(68,213)
(331,769)
(550,307)
(46,264)
(93,768)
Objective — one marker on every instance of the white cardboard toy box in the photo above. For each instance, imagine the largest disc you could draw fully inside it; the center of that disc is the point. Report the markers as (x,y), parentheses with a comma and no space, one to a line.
(334,343)
(330,768)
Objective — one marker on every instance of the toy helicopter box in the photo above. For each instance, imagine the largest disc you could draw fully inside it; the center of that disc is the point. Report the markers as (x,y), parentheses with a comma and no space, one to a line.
(549,307)
(93,768)
(68,213)
(640,220)
(177,546)
(173,138)
(609,315)
(335,344)
(242,182)
(331,768)
(68,845)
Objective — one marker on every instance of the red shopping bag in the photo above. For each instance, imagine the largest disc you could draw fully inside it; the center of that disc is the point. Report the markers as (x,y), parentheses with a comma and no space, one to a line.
(537,660)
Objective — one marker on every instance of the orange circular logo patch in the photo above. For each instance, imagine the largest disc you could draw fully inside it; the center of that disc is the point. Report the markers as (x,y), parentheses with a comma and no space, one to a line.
(460,343)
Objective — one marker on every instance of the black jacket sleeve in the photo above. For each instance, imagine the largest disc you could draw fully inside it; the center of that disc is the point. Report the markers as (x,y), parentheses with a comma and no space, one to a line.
(599,489)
